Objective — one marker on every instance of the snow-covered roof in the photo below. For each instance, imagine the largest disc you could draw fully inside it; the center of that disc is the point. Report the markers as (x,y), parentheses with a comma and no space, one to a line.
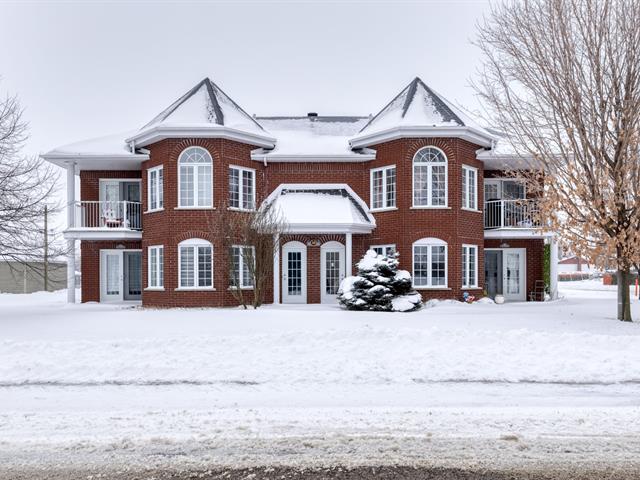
(319,137)
(205,110)
(321,208)
(85,153)
(503,155)
(423,112)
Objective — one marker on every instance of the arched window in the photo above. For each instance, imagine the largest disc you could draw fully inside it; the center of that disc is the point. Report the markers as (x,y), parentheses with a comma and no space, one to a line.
(430,263)
(195,264)
(430,178)
(195,178)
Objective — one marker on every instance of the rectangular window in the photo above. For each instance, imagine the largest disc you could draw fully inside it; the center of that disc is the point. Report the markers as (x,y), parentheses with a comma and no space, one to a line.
(430,266)
(156,267)
(469,187)
(242,257)
(196,266)
(242,188)
(469,266)
(383,187)
(385,250)
(155,188)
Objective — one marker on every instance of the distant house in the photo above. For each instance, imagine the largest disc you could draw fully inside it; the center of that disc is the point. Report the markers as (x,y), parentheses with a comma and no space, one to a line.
(574,263)
(16,277)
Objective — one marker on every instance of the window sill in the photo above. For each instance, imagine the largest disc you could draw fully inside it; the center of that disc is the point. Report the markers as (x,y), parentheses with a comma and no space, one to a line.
(471,210)
(194,208)
(194,289)
(154,289)
(430,208)
(241,288)
(238,209)
(385,209)
(431,288)
(154,211)
(471,288)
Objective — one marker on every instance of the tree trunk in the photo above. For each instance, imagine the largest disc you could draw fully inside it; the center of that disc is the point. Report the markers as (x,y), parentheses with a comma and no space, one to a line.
(624,299)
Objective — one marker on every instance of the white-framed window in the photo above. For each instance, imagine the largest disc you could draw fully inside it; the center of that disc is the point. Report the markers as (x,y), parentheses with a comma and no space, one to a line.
(155,277)
(385,250)
(242,188)
(195,264)
(195,178)
(430,178)
(383,187)
(430,263)
(469,266)
(469,187)
(155,188)
(241,256)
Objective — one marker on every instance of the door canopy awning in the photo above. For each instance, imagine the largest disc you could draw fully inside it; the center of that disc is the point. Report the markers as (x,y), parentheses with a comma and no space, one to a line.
(321,208)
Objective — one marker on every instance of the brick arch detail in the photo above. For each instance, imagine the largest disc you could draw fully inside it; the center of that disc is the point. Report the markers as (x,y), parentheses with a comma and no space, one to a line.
(304,238)
(442,144)
(183,144)
(180,237)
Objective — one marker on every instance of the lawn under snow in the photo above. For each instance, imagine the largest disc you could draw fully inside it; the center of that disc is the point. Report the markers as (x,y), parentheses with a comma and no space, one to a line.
(135,379)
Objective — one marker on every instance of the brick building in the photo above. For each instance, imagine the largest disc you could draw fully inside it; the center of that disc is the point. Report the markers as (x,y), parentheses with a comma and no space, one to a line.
(419,178)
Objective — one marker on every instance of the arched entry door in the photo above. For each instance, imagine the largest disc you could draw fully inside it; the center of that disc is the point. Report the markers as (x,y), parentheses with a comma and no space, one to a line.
(294,273)
(332,261)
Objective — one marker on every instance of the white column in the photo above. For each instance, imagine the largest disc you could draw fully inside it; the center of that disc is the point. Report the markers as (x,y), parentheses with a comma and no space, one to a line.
(553,268)
(349,255)
(71,243)
(276,269)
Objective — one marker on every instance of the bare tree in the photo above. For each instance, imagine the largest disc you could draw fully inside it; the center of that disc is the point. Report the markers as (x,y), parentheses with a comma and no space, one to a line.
(248,240)
(26,187)
(562,77)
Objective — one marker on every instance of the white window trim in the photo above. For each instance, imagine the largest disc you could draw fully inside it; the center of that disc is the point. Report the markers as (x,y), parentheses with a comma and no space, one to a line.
(241,267)
(384,206)
(194,243)
(429,192)
(384,246)
(150,269)
(196,205)
(430,242)
(253,172)
(159,187)
(465,264)
(465,199)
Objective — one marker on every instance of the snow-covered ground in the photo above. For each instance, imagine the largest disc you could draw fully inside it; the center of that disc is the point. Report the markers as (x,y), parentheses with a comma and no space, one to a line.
(453,384)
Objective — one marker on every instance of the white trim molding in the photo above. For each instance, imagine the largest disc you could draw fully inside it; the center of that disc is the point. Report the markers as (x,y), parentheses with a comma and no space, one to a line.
(473,135)
(160,132)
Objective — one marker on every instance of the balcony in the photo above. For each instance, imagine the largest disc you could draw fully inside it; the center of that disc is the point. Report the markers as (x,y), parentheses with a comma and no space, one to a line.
(106,220)
(511,214)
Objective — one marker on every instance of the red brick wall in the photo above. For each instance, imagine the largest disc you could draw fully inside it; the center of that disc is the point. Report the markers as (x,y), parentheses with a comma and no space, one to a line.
(534,260)
(90,181)
(401,227)
(90,254)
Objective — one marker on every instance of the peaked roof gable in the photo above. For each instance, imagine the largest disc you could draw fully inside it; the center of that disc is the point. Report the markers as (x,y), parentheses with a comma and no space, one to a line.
(206,103)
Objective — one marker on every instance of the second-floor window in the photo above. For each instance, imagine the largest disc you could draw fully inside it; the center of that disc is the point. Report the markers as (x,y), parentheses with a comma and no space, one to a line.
(242,188)
(383,187)
(430,178)
(195,178)
(469,187)
(155,188)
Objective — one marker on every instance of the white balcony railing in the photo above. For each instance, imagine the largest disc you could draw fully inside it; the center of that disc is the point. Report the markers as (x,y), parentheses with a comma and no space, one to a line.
(108,214)
(521,213)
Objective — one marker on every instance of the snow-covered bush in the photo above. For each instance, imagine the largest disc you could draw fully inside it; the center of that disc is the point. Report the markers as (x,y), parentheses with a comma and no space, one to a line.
(379,286)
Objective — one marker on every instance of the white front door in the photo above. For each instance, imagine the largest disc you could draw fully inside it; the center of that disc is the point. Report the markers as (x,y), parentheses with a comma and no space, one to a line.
(111,275)
(513,274)
(332,259)
(294,273)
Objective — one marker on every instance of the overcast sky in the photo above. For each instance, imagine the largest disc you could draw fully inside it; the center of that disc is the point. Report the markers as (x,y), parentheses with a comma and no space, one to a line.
(87,69)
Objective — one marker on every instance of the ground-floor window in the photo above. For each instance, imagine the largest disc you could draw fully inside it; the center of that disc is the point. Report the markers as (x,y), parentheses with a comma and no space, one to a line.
(385,250)
(430,263)
(469,266)
(156,266)
(242,256)
(195,264)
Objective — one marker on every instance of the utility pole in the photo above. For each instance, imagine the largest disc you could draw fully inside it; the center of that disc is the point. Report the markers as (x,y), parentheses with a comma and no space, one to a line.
(46,249)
